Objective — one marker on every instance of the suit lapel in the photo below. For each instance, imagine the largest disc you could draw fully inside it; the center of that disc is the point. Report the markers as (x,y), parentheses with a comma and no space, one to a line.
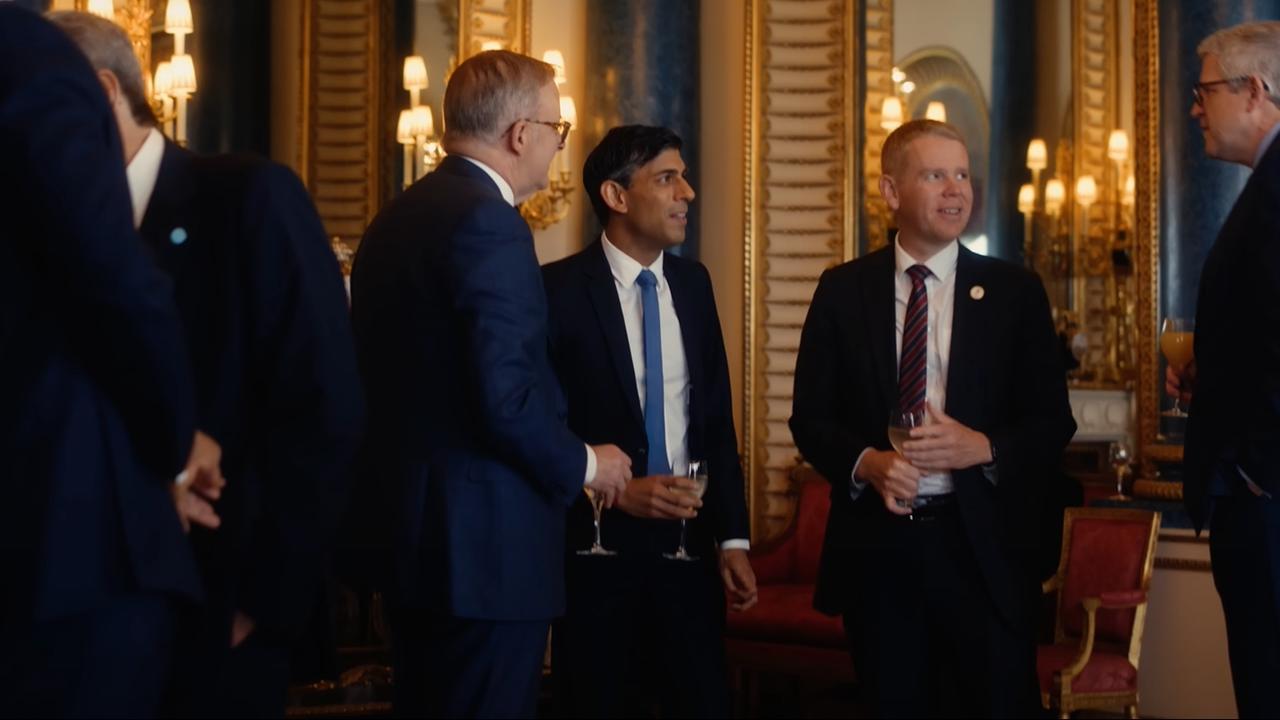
(878,299)
(170,196)
(966,342)
(604,299)
(686,312)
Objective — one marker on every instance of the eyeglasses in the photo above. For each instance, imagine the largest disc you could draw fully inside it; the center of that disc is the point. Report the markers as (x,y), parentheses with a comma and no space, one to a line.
(1198,90)
(562,127)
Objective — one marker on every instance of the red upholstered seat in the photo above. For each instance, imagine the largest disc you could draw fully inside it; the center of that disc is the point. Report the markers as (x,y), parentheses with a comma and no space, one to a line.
(1102,581)
(783,634)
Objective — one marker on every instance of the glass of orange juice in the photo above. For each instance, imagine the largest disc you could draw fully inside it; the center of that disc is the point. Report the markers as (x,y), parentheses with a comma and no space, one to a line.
(1177,338)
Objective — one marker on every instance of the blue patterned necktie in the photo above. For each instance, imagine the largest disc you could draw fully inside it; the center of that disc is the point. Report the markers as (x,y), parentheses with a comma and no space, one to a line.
(655,426)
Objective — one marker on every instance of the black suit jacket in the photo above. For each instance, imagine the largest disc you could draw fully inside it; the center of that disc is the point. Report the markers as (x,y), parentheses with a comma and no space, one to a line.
(467,442)
(592,357)
(265,319)
(1005,379)
(96,405)
(1235,412)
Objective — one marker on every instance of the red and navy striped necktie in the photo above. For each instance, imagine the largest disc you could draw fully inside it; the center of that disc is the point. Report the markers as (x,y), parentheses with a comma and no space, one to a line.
(912,372)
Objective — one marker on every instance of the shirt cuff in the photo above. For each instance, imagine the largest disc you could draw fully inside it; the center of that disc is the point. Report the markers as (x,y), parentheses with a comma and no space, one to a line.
(991,473)
(856,486)
(591,465)
(736,544)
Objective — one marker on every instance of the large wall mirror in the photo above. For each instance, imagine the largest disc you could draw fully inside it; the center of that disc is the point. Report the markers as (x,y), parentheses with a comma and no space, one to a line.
(1047,96)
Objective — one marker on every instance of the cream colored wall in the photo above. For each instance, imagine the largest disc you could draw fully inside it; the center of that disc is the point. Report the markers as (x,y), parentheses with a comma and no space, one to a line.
(964,25)
(562,24)
(720,199)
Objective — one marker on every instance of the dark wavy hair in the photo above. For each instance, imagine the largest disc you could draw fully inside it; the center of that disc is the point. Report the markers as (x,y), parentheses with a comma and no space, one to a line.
(623,150)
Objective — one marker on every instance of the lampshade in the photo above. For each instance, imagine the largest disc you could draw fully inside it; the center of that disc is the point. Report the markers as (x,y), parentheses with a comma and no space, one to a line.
(1127,197)
(491,45)
(177,18)
(1086,191)
(1055,193)
(568,110)
(1027,199)
(103,9)
(163,83)
(1118,146)
(421,123)
(404,128)
(415,73)
(1037,155)
(184,75)
(936,111)
(555,59)
(891,113)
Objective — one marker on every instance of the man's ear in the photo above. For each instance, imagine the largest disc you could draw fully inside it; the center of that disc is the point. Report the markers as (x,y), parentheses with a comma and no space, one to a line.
(110,85)
(614,196)
(889,191)
(517,138)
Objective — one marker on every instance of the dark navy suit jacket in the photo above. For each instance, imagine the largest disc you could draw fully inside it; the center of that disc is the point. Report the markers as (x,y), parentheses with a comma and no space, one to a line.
(592,357)
(1005,379)
(466,440)
(266,324)
(1234,421)
(96,407)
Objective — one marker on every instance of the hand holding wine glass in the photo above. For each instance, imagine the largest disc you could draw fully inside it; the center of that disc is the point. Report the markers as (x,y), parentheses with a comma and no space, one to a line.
(698,476)
(1177,342)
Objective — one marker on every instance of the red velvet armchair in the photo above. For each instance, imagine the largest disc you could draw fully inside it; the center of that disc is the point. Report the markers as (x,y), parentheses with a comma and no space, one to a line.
(1103,578)
(783,634)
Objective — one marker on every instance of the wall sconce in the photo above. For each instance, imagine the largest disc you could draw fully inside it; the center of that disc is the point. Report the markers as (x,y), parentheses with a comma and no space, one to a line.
(548,207)
(936,110)
(416,127)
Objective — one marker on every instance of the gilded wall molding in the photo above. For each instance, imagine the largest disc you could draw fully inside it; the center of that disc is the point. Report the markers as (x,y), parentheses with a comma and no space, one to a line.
(800,204)
(493,21)
(878,59)
(340,134)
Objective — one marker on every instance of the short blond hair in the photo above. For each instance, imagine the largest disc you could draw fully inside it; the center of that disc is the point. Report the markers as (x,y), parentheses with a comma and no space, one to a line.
(894,153)
(490,91)
(1247,50)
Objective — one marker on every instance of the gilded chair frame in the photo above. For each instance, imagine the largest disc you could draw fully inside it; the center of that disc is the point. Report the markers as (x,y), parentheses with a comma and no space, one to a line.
(1060,698)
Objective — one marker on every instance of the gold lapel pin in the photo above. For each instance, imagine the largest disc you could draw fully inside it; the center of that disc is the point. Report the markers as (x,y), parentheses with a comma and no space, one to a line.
(977,292)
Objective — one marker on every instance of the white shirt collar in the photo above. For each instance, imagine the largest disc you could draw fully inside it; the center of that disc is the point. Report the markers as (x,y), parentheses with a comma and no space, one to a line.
(942,264)
(142,172)
(626,268)
(503,186)
(1266,143)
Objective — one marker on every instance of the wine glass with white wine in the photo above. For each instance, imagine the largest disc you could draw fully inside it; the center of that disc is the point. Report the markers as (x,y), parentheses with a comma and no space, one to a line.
(901,423)
(698,474)
(597,505)
(1177,342)
(1118,455)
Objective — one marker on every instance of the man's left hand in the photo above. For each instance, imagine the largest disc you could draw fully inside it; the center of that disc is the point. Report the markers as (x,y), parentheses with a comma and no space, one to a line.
(945,444)
(739,579)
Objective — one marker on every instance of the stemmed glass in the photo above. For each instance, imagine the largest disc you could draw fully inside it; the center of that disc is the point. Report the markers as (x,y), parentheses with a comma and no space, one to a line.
(1118,455)
(1177,341)
(901,423)
(698,474)
(597,504)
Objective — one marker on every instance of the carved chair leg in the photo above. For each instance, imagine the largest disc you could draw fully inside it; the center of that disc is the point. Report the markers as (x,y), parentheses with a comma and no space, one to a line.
(1131,711)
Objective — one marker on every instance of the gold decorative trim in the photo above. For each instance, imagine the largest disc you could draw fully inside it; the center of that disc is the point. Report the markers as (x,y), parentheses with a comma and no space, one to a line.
(1189,564)
(878,55)
(1147,235)
(799,214)
(1157,489)
(502,21)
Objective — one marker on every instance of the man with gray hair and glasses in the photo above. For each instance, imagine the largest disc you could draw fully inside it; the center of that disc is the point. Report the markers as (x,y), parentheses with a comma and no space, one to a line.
(1231,471)
(467,442)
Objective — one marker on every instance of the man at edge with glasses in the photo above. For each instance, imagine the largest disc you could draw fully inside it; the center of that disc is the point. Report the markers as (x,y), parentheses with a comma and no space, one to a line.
(1232,446)
(636,342)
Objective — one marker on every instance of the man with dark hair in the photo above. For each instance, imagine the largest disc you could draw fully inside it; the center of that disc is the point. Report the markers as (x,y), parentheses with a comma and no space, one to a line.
(467,441)
(930,553)
(636,342)
(266,324)
(97,412)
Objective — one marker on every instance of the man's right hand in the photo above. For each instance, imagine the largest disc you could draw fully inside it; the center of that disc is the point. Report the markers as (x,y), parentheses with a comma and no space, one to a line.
(613,470)
(1182,385)
(660,497)
(199,484)
(892,476)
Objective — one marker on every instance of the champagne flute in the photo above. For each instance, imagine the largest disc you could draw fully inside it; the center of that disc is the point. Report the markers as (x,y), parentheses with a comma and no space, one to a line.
(1118,455)
(1177,342)
(698,474)
(901,423)
(597,505)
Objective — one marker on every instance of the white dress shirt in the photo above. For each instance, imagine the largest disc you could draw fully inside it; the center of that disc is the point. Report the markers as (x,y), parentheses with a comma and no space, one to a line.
(509,195)
(940,285)
(675,368)
(142,172)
